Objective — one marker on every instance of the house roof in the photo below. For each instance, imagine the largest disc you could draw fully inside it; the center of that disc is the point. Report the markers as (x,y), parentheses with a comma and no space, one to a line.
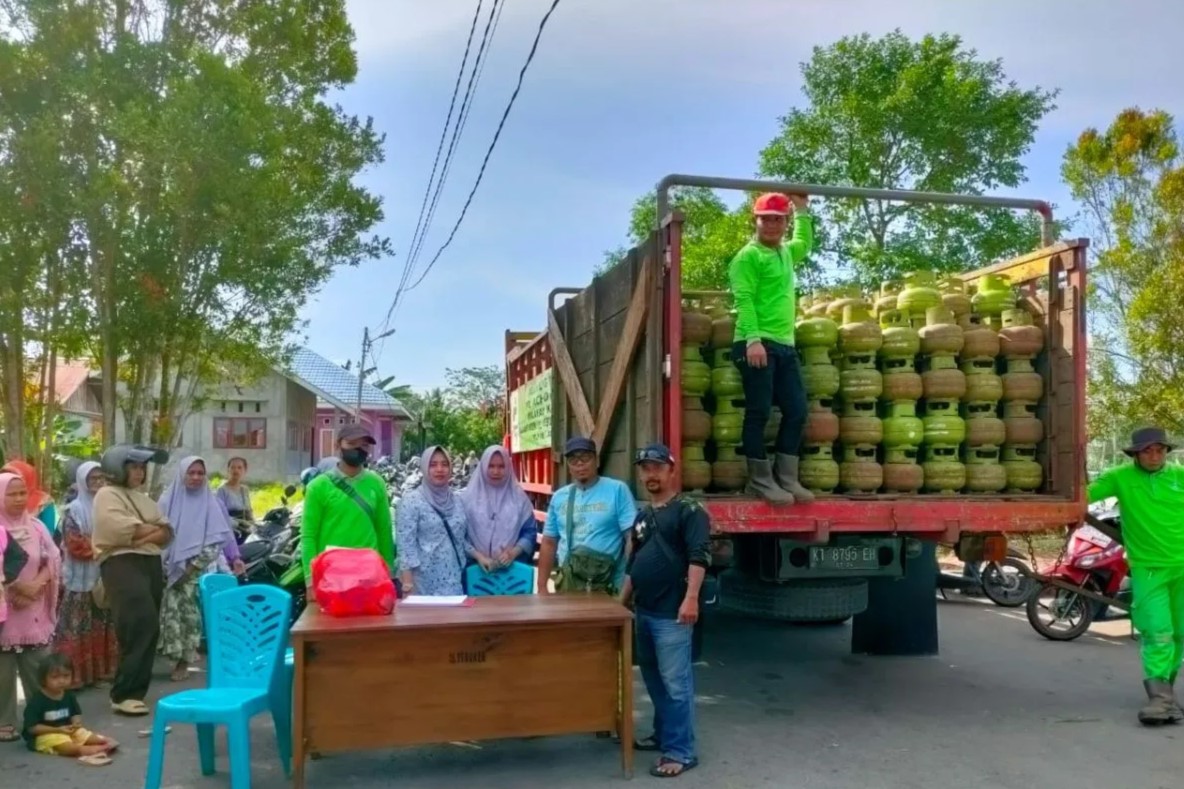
(68,378)
(338,386)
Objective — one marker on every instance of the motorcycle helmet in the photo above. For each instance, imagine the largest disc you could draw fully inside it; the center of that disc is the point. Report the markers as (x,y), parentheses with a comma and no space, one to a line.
(114,461)
(308,475)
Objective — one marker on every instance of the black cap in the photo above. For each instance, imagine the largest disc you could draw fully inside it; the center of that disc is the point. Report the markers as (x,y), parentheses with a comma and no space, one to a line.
(1145,437)
(578,444)
(354,432)
(655,453)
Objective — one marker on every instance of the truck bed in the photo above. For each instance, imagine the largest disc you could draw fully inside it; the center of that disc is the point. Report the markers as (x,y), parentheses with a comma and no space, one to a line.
(614,345)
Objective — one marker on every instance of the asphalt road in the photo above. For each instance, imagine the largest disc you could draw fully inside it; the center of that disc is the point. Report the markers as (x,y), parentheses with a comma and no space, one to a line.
(782,707)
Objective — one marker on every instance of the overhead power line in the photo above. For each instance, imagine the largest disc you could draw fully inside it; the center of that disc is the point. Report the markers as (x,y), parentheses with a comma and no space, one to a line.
(492,145)
(466,106)
(435,164)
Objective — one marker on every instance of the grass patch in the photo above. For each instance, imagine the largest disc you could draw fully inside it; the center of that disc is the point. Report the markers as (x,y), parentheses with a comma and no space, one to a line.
(264,495)
(267,496)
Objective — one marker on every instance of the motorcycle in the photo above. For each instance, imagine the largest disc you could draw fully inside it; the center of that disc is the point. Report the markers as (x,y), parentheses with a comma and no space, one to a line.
(1092,576)
(1007,583)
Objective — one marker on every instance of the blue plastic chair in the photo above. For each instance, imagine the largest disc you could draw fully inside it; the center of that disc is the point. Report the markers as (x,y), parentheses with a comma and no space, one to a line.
(248,629)
(516,579)
(281,690)
(210,585)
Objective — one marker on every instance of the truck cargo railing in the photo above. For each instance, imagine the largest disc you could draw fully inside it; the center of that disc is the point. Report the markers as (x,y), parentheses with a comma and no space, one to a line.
(626,328)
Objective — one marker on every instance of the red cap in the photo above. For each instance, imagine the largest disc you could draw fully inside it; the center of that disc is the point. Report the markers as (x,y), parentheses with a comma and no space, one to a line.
(771,204)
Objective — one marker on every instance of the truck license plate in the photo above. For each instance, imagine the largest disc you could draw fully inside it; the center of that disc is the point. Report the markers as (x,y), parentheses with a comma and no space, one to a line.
(848,557)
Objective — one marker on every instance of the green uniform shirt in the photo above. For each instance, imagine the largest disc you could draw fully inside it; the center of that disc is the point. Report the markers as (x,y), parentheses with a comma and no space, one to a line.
(332,519)
(1152,510)
(764,285)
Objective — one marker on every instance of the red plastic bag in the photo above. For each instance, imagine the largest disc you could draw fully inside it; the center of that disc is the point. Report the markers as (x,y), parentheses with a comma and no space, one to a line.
(352,582)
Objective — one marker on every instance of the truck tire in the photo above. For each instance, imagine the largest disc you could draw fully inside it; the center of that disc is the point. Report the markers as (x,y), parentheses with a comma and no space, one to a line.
(831,600)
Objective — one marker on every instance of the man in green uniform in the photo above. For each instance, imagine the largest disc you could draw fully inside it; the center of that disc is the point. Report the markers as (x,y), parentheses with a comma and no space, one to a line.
(763,289)
(346,506)
(1150,496)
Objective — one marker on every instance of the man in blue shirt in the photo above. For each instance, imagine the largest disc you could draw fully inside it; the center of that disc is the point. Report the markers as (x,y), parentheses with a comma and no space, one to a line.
(586,526)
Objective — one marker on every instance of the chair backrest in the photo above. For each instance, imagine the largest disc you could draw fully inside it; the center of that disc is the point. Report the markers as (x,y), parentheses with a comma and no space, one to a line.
(248,634)
(210,585)
(516,579)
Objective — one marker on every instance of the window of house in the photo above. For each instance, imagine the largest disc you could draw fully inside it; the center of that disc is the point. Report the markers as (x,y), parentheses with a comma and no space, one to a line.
(240,433)
(293,436)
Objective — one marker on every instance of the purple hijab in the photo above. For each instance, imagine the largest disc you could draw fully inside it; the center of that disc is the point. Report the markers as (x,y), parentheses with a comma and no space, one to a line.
(495,510)
(197,517)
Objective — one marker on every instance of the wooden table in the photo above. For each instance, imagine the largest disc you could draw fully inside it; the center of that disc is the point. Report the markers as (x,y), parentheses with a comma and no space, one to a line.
(504,667)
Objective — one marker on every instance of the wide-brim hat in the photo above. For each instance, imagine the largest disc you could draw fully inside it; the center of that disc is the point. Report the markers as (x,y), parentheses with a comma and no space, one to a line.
(1147,437)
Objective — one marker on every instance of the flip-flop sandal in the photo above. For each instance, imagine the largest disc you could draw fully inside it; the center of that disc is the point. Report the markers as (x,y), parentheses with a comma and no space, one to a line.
(96,760)
(131,708)
(144,734)
(657,772)
(646,744)
(11,735)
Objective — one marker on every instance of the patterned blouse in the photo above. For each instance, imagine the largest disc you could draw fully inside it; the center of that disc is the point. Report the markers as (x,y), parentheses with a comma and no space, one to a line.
(433,549)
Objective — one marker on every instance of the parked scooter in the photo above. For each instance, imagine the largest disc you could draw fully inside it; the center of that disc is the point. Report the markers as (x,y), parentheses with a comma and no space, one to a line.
(1007,583)
(1093,562)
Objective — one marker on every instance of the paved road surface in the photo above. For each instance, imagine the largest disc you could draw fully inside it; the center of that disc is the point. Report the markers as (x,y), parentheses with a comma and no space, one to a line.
(1001,708)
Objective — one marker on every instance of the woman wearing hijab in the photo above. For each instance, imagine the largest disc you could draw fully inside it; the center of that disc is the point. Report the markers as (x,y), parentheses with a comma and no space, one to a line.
(501,518)
(31,600)
(432,532)
(87,633)
(40,503)
(202,528)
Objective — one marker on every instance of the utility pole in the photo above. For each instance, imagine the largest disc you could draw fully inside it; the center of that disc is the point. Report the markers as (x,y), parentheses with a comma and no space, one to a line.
(367,345)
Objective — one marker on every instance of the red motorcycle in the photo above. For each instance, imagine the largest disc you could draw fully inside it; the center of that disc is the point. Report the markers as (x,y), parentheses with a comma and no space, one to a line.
(1092,562)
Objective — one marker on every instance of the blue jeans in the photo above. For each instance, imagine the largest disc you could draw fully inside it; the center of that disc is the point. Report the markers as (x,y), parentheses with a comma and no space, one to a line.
(664,655)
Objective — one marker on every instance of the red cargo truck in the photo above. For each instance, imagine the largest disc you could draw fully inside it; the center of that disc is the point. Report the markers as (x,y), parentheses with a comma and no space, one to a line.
(608,366)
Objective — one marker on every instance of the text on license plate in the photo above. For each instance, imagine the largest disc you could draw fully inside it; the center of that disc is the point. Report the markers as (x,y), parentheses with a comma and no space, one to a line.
(849,557)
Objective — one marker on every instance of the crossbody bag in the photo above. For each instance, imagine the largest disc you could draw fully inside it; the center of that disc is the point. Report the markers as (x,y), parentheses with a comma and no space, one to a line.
(708,589)
(585,569)
(456,552)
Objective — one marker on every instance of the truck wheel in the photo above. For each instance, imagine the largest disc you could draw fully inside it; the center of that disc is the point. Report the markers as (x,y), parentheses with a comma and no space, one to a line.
(833,600)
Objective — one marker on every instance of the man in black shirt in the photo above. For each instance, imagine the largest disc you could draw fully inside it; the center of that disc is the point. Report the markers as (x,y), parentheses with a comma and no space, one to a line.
(673,550)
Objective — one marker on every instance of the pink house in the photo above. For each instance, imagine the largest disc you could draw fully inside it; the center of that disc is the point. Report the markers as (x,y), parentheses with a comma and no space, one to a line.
(337,402)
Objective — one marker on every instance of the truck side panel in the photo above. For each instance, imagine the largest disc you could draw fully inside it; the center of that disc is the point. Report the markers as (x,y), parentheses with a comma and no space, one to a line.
(592,321)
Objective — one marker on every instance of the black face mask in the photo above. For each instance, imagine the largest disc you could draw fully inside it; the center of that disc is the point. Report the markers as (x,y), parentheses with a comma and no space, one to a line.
(354,458)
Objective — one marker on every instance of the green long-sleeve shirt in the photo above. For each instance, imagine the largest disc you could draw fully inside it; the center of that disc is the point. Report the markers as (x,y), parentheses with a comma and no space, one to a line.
(332,519)
(1152,510)
(764,285)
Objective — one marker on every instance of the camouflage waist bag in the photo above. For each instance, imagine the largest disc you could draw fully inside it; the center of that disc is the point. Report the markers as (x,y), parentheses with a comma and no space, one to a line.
(585,570)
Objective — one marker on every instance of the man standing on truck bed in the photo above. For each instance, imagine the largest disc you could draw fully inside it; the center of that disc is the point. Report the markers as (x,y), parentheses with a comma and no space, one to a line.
(764,293)
(1150,495)
(586,525)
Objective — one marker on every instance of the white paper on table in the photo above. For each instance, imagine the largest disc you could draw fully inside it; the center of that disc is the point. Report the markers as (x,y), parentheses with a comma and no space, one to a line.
(435,600)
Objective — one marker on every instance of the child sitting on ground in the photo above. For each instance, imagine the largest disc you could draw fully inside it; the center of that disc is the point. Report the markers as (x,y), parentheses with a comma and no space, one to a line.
(53,719)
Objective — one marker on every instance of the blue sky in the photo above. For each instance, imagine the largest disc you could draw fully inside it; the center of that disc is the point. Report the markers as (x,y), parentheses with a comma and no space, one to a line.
(623,92)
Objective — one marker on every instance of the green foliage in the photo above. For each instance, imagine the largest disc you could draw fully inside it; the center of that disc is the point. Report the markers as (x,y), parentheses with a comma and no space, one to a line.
(927,115)
(467,415)
(1130,181)
(184,178)
(711,234)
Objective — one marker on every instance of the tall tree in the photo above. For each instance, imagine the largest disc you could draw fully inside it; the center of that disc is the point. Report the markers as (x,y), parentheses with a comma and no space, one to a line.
(1129,179)
(711,234)
(929,115)
(210,179)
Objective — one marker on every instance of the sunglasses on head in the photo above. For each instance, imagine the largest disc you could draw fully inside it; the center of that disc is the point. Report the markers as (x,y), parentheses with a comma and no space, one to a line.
(653,456)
